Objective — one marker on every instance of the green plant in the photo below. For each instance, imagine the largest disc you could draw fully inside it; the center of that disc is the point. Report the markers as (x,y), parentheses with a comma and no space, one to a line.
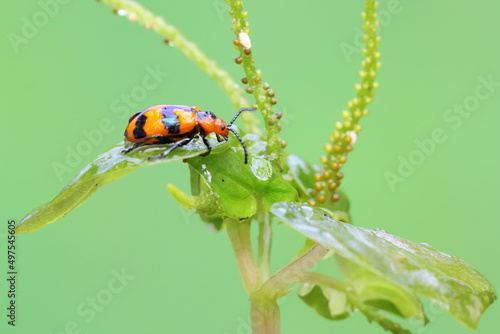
(383,273)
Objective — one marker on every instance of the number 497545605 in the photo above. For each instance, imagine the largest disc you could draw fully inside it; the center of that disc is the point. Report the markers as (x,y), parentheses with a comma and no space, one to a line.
(11,246)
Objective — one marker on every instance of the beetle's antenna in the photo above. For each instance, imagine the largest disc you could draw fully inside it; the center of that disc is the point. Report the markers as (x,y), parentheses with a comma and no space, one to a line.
(239,112)
(241,141)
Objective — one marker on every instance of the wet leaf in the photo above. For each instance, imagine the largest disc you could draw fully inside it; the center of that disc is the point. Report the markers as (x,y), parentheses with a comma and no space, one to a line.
(106,168)
(444,279)
(242,189)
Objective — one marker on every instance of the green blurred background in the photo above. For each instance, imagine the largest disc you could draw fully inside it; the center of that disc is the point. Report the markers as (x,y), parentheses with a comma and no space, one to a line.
(73,71)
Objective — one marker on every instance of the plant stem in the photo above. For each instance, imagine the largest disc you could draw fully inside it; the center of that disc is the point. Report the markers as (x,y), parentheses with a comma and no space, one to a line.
(264,98)
(291,273)
(265,238)
(173,36)
(345,134)
(320,279)
(265,316)
(239,235)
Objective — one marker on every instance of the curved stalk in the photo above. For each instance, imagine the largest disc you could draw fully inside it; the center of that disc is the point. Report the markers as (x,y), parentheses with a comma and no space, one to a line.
(320,279)
(345,134)
(290,273)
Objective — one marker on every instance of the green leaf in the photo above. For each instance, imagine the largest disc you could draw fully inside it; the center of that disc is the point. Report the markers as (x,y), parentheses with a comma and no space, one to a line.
(335,300)
(372,315)
(300,174)
(106,168)
(327,302)
(444,279)
(380,293)
(242,189)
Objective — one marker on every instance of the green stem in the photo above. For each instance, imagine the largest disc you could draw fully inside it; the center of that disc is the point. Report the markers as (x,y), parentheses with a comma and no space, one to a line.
(345,134)
(265,239)
(265,316)
(174,37)
(239,235)
(291,273)
(264,98)
(320,279)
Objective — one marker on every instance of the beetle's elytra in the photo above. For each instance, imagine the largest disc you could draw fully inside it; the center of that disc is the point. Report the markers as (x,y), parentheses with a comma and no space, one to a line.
(179,124)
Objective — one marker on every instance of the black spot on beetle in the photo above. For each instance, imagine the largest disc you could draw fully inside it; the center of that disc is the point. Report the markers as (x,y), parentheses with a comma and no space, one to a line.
(139,127)
(208,113)
(133,116)
(172,124)
(174,128)
(223,127)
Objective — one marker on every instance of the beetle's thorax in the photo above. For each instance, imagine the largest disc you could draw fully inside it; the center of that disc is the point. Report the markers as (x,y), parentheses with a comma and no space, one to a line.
(209,123)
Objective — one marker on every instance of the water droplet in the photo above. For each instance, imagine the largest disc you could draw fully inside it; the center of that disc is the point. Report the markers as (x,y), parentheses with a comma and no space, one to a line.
(122,12)
(261,168)
(280,211)
(207,174)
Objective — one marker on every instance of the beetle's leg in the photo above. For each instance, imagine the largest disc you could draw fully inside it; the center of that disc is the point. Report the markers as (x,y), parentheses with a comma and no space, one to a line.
(219,138)
(178,144)
(139,143)
(207,144)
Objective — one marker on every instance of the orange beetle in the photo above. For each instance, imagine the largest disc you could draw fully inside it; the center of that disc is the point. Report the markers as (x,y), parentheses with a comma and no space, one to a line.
(179,124)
